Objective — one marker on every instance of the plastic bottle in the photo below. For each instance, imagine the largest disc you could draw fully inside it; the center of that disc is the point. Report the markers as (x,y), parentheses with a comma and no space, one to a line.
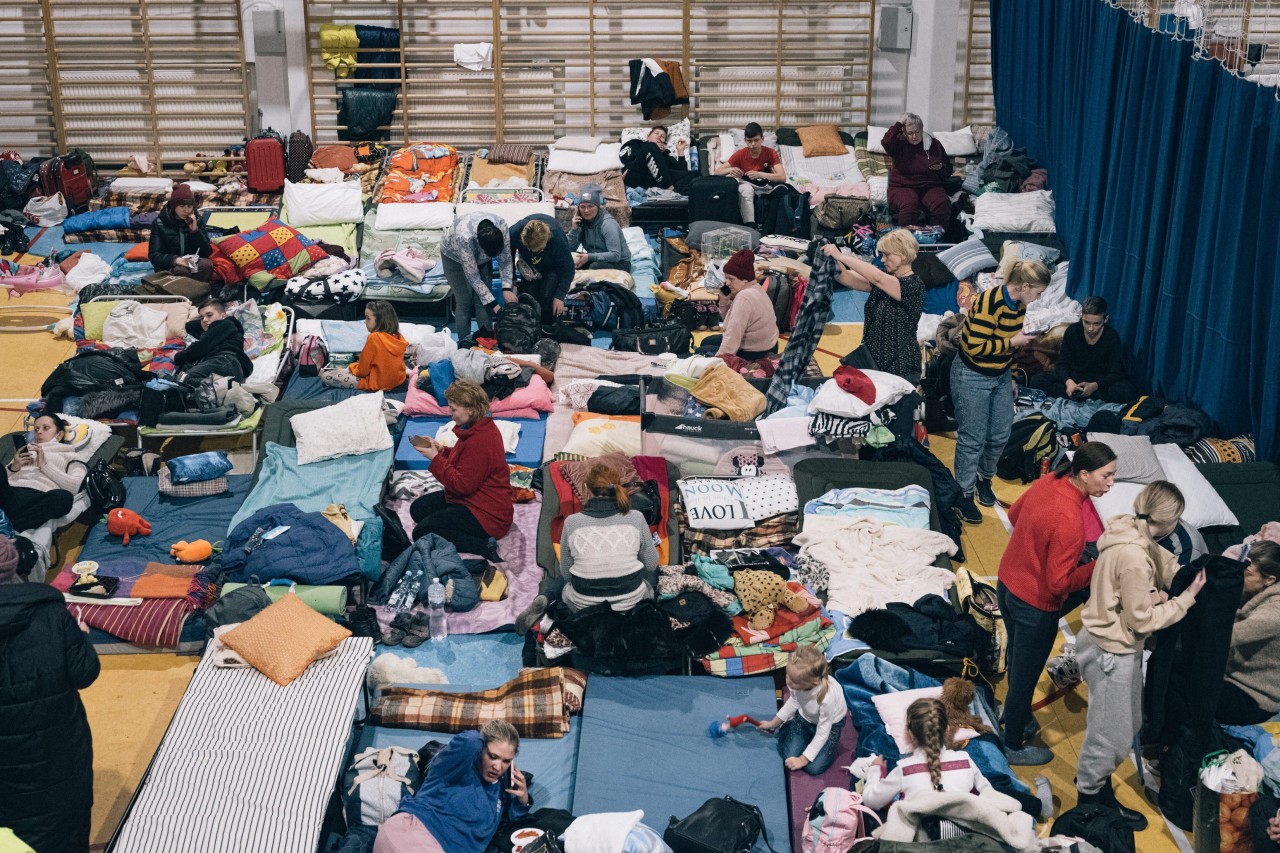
(439,620)
(693,158)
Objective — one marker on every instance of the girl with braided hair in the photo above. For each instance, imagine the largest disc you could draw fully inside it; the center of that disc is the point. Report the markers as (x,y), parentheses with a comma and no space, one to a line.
(933,764)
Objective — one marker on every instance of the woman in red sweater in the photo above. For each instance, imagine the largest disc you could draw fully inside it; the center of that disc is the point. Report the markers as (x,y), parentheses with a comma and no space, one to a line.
(475,509)
(1043,576)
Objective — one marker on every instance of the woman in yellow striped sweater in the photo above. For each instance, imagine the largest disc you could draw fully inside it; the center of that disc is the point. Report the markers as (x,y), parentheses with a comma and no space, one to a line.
(981,386)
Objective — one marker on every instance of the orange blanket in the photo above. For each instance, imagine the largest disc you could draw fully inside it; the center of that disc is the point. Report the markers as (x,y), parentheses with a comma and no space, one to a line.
(162,581)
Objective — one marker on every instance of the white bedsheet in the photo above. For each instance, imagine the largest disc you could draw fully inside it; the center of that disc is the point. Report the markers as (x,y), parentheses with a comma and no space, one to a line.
(823,171)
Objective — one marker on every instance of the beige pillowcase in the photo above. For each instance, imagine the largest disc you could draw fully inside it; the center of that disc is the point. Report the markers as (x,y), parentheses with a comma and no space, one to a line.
(821,140)
(284,639)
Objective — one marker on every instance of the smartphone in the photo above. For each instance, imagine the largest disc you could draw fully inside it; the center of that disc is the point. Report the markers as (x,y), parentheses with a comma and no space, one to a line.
(422,440)
(19,442)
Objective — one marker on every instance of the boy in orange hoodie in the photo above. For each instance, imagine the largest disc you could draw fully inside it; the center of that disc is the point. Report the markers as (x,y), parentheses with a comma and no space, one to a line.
(381,363)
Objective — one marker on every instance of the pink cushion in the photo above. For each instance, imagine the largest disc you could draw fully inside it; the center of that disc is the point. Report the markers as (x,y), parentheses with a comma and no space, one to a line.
(892,708)
(526,402)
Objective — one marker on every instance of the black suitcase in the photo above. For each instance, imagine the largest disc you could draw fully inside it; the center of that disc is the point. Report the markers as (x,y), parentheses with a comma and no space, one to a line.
(714,197)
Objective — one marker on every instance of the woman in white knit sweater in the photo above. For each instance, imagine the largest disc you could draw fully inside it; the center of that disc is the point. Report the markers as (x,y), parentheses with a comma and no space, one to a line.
(40,482)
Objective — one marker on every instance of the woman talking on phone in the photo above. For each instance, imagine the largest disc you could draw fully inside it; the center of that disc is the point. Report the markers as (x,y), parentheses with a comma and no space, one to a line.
(178,243)
(475,509)
(40,483)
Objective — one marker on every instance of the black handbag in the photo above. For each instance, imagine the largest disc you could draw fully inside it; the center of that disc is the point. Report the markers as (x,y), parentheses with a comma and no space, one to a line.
(654,339)
(723,825)
(105,488)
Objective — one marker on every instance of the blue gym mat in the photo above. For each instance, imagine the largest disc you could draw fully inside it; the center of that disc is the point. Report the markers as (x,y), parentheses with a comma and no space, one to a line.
(645,746)
(533,435)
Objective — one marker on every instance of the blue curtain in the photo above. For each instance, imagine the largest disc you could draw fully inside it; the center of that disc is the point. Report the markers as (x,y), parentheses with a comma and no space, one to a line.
(1166,174)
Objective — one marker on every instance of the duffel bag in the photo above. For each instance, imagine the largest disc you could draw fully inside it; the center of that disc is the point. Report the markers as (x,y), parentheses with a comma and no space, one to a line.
(654,339)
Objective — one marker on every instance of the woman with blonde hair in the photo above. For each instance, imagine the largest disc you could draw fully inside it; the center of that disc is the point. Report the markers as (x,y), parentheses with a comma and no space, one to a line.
(1127,603)
(981,384)
(893,309)
(475,508)
(812,717)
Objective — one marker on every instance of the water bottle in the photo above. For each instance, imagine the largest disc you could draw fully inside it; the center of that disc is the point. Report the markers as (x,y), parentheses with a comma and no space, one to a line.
(435,603)
(693,158)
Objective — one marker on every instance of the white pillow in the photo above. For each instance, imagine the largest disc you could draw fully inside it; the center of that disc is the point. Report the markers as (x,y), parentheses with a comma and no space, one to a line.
(348,428)
(834,400)
(323,204)
(957,143)
(142,185)
(768,495)
(600,159)
(1136,460)
(675,132)
(874,137)
(598,436)
(1205,507)
(432,215)
(510,213)
(586,144)
(1031,211)
(712,504)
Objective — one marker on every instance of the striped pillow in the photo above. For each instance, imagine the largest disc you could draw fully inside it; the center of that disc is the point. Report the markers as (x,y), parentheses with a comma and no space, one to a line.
(967,259)
(509,152)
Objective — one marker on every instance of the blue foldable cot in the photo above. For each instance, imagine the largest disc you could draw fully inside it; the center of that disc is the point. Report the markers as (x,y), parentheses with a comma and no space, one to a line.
(533,435)
(645,746)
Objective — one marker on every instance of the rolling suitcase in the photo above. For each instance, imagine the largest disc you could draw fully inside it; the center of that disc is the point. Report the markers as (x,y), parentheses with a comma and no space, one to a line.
(714,197)
(264,159)
(299,156)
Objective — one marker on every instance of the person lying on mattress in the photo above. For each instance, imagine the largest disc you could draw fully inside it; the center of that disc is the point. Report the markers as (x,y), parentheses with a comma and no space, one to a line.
(472,785)
(218,346)
(647,163)
(41,481)
(178,243)
(381,363)
(606,553)
(750,323)
(475,509)
(605,247)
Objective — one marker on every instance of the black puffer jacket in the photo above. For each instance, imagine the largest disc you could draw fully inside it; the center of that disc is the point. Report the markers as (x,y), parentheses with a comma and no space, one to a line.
(171,239)
(92,370)
(225,335)
(46,750)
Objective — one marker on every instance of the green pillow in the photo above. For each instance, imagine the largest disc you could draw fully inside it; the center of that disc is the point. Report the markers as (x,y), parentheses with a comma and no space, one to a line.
(95,314)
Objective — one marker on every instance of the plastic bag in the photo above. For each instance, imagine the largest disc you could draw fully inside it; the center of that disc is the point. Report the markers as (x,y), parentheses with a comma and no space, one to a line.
(46,210)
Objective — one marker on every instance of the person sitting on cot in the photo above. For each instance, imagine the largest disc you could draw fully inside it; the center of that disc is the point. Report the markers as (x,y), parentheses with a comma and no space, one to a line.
(178,242)
(917,174)
(757,169)
(472,785)
(218,346)
(646,163)
(600,235)
(1091,363)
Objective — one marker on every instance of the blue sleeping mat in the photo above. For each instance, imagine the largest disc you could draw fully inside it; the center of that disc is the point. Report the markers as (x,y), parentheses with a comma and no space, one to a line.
(311,388)
(533,435)
(645,746)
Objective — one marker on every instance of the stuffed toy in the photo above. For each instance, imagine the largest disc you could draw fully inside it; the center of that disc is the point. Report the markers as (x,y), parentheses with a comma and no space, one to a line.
(126,523)
(761,593)
(192,552)
(957,696)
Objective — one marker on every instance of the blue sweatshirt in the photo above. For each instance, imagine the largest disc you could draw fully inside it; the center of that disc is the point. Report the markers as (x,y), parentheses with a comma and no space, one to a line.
(454,803)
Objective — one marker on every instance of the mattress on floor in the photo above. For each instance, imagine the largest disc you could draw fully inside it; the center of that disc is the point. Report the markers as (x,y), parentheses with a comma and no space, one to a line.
(190,641)
(533,436)
(256,779)
(644,745)
(553,762)
(302,387)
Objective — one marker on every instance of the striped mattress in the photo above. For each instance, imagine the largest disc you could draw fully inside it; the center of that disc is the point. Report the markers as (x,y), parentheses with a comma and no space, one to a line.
(247,764)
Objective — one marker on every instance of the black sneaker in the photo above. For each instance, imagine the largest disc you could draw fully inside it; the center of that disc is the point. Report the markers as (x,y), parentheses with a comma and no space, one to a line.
(983,492)
(967,511)
(363,622)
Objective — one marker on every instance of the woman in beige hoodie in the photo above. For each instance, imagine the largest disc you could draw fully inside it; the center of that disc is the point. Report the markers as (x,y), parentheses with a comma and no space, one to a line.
(1252,692)
(1127,603)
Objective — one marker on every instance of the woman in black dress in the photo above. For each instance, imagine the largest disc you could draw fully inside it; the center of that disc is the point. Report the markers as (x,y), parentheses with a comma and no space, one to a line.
(893,309)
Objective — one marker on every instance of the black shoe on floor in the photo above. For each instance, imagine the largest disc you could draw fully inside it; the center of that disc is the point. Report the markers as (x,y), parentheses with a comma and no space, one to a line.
(983,492)
(363,622)
(1106,797)
(967,511)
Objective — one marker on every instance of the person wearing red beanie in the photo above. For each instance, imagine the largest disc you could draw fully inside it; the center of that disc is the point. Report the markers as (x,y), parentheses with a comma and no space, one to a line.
(178,244)
(750,324)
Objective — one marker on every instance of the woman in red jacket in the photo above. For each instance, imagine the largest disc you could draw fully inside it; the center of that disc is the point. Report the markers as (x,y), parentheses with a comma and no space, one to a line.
(915,180)
(1043,576)
(475,509)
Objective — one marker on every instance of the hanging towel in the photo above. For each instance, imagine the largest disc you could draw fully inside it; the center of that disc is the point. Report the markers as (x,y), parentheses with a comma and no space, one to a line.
(477,56)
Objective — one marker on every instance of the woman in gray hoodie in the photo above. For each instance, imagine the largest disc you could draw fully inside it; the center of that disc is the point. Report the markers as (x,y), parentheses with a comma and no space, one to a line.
(599,234)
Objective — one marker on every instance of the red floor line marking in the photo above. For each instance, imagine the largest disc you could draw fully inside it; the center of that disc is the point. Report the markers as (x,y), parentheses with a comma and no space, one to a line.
(1053,697)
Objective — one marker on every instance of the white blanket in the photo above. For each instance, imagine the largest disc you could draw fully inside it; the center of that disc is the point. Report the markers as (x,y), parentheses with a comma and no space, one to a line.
(991,813)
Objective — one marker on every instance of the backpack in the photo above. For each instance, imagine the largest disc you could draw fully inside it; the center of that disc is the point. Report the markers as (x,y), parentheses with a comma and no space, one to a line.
(382,779)
(778,286)
(835,821)
(519,325)
(979,601)
(785,212)
(105,488)
(297,156)
(841,212)
(1102,827)
(613,306)
(311,354)
(1032,440)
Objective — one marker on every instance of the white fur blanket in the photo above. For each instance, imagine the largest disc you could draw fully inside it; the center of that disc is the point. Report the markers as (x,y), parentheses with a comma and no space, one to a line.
(991,813)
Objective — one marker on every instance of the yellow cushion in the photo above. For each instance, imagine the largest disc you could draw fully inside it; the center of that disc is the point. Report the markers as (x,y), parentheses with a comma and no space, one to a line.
(283,640)
(821,140)
(95,314)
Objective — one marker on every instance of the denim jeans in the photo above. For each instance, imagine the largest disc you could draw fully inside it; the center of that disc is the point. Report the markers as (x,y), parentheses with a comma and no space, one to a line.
(984,418)
(795,736)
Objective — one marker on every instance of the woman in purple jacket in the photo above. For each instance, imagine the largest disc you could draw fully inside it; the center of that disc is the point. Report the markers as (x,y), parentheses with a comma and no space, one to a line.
(915,179)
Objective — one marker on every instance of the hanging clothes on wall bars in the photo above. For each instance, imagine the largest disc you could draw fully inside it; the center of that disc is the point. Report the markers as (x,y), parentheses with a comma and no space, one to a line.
(385,44)
(657,85)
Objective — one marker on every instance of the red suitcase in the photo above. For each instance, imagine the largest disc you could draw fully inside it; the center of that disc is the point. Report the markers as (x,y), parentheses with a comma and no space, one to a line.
(74,182)
(264,158)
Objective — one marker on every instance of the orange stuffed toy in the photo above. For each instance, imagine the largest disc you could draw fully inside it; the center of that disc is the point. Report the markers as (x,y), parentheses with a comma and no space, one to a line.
(192,552)
(126,523)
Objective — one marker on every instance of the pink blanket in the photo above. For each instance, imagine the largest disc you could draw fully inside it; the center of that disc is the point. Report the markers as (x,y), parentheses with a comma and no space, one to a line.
(526,402)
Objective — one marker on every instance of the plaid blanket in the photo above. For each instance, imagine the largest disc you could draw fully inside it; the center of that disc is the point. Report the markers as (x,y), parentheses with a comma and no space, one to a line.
(110,235)
(777,530)
(537,702)
(736,658)
(153,202)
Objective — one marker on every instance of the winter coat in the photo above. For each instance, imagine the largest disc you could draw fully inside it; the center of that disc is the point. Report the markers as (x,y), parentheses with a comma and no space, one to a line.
(474,473)
(225,335)
(171,239)
(434,557)
(312,551)
(91,370)
(1254,664)
(46,748)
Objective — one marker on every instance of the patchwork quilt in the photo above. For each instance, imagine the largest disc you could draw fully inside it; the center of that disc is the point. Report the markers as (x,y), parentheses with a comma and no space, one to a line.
(274,248)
